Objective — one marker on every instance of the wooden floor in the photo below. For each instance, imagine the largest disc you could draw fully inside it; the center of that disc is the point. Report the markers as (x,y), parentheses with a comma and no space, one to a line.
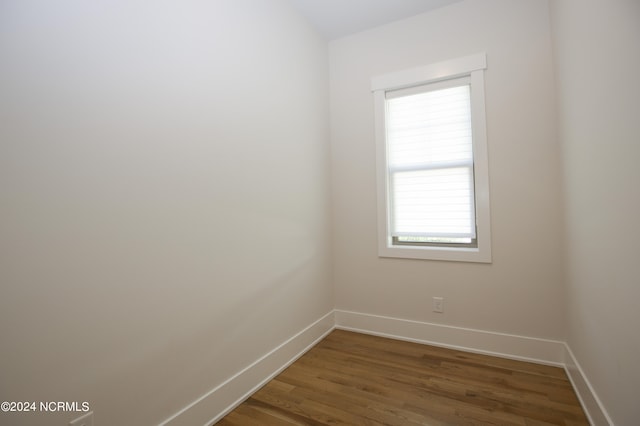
(356,379)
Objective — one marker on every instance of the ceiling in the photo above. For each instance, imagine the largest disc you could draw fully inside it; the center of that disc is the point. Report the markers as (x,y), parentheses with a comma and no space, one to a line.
(338,18)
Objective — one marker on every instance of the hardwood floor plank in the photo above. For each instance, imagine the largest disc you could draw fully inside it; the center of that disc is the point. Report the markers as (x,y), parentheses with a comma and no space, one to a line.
(357,379)
(304,378)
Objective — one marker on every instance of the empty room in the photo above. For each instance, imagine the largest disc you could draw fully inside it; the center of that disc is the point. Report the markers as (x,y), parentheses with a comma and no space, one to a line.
(307,212)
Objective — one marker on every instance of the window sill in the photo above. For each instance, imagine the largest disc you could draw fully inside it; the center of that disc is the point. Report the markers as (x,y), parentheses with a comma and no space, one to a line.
(454,254)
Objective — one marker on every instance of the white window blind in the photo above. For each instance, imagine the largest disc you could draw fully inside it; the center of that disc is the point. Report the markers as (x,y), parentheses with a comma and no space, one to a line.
(430,161)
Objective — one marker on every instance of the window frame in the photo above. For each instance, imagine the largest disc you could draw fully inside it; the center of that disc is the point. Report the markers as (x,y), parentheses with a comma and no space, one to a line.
(470,66)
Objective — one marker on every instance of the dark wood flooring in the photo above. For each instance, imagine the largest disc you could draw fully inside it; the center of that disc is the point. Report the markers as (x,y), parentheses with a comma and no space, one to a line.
(356,379)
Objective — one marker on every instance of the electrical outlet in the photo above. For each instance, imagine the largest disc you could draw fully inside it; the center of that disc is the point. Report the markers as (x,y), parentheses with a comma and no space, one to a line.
(438,304)
(84,420)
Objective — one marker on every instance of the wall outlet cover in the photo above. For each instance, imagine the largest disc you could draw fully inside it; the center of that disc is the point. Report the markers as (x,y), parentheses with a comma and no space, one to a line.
(438,304)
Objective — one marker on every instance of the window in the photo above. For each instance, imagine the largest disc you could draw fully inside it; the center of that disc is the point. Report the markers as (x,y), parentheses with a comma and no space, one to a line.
(433,187)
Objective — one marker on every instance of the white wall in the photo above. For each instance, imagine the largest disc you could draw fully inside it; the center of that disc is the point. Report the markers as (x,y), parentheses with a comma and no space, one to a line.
(521,292)
(142,147)
(164,198)
(598,62)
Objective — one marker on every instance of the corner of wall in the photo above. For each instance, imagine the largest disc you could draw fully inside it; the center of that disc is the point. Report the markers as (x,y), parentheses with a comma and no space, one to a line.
(220,400)
(591,404)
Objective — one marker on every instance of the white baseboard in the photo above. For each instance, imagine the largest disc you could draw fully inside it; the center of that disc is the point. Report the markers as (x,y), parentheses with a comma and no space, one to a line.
(541,351)
(591,404)
(225,397)
(219,401)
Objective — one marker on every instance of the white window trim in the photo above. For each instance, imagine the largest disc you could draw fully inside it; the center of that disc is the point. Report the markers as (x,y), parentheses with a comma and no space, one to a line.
(472,66)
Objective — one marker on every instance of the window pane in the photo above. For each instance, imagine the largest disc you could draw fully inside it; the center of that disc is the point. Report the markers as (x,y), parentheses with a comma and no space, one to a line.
(430,160)
(436,203)
(430,128)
